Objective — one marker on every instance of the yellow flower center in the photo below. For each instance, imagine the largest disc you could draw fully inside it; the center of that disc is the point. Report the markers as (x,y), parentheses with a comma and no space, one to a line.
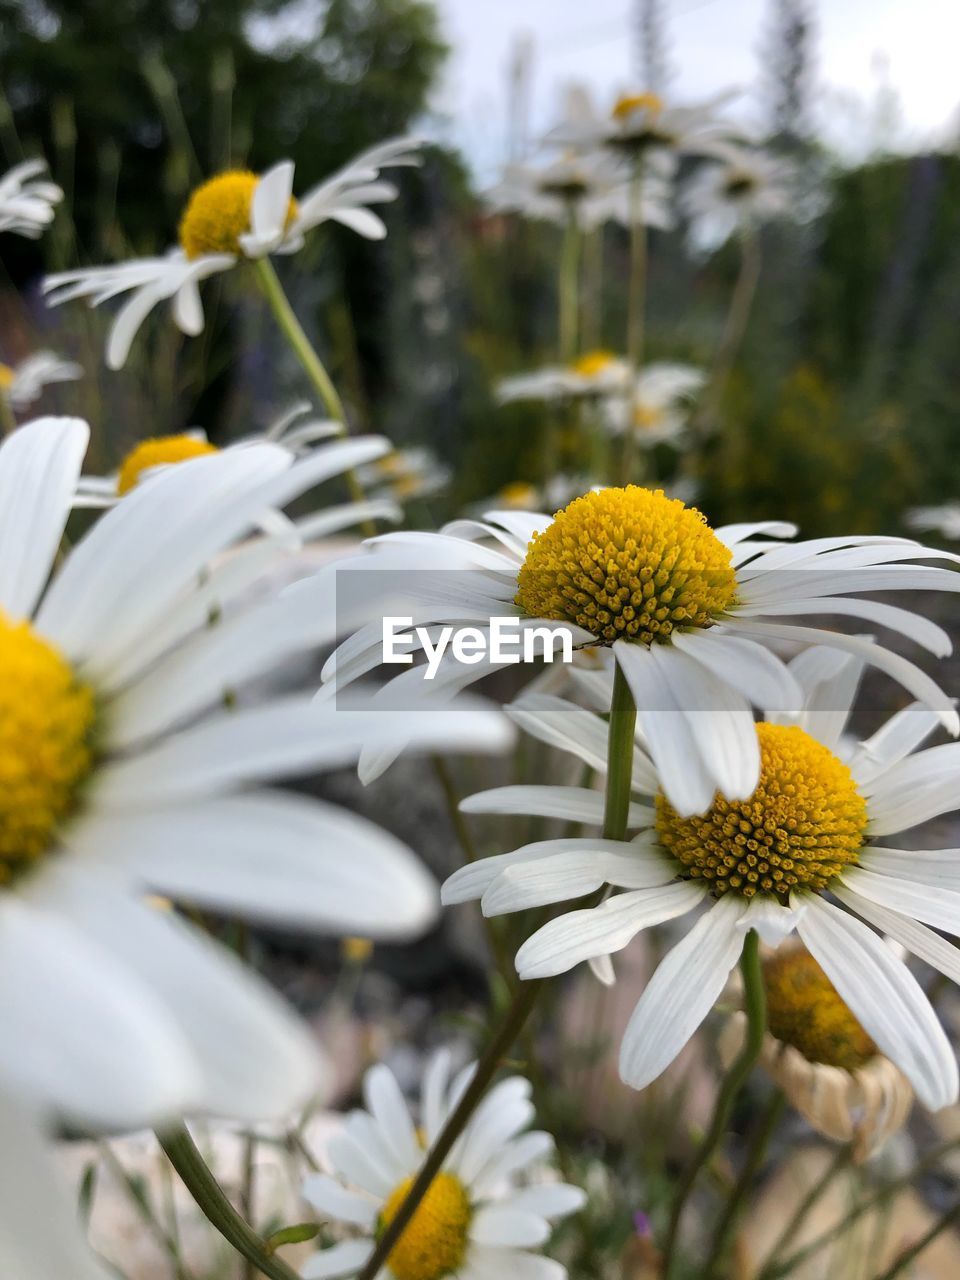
(7,376)
(517,494)
(646,416)
(593,363)
(627,564)
(630,103)
(218,214)
(804,1010)
(46,729)
(804,823)
(160,451)
(356,950)
(434,1242)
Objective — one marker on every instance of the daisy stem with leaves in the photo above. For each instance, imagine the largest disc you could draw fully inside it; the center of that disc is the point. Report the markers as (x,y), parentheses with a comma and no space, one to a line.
(636,313)
(313,366)
(620,741)
(755,1005)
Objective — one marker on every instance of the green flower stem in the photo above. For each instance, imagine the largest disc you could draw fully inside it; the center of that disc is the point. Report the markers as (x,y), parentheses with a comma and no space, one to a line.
(841,1160)
(636,314)
(901,1265)
(210,1198)
(623,715)
(292,330)
(569,287)
(753,1162)
(755,1004)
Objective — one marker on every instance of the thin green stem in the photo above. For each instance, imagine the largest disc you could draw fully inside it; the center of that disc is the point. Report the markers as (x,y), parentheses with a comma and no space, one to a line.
(752,1164)
(620,739)
(182,1152)
(569,287)
(755,1004)
(493,1055)
(841,1160)
(636,314)
(900,1265)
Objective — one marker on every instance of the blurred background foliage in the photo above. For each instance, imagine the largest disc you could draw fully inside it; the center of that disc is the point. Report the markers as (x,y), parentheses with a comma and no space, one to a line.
(843,406)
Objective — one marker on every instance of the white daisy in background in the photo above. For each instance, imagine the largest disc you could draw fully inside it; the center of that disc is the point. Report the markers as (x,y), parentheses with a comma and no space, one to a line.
(27,200)
(944,520)
(520,495)
(766,863)
(487,1208)
(745,189)
(589,187)
(691,614)
(39,1231)
(404,474)
(595,373)
(234,217)
(659,408)
(22,384)
(817,1052)
(129,767)
(644,125)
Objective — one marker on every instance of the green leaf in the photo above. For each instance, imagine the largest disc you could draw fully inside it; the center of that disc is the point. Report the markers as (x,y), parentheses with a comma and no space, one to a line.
(296,1234)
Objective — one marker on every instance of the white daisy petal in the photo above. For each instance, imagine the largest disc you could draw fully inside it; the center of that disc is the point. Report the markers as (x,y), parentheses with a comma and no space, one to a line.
(385,1102)
(528,1149)
(933,904)
(331,1200)
(917,938)
(508,1227)
(575,874)
(682,991)
(343,1259)
(549,1199)
(572,804)
(885,998)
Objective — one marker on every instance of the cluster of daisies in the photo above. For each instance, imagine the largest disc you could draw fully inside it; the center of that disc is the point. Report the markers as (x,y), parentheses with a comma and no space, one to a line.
(139,752)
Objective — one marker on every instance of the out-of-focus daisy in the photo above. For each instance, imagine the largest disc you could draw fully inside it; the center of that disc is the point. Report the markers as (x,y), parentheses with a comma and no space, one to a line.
(130,766)
(520,495)
(691,614)
(817,1052)
(645,125)
(27,200)
(591,188)
(234,217)
(658,409)
(486,1209)
(595,373)
(22,384)
(766,863)
(746,188)
(404,474)
(39,1232)
(944,520)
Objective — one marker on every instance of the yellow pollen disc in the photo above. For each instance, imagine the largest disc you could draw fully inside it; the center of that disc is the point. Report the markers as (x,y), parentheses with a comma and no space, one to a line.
(218,214)
(435,1240)
(7,376)
(804,823)
(651,103)
(804,1010)
(159,451)
(646,416)
(518,494)
(356,950)
(592,363)
(627,564)
(46,727)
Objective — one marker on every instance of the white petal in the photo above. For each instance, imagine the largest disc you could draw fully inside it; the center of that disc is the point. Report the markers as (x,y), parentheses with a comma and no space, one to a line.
(362,221)
(331,1200)
(472,880)
(271,200)
(571,728)
(507,1227)
(528,1149)
(917,938)
(573,804)
(385,1103)
(39,465)
(936,905)
(188,309)
(499,1263)
(935,868)
(885,997)
(433,1093)
(549,1199)
(358,1166)
(681,993)
(752,670)
(573,875)
(127,324)
(595,931)
(343,1259)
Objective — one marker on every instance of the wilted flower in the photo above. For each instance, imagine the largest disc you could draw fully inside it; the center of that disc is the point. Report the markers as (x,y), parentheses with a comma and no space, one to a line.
(482,1213)
(234,217)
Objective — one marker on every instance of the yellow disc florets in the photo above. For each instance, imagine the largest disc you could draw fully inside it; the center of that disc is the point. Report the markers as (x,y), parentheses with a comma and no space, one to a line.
(7,376)
(592,363)
(627,564)
(630,103)
(804,1010)
(159,451)
(46,728)
(647,416)
(218,214)
(804,823)
(434,1242)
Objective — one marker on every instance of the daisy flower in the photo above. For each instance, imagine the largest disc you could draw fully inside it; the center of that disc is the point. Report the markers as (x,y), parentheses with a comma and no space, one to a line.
(27,200)
(404,474)
(23,383)
(690,613)
(800,853)
(589,187)
(130,767)
(234,217)
(658,407)
(817,1052)
(486,1209)
(595,373)
(747,188)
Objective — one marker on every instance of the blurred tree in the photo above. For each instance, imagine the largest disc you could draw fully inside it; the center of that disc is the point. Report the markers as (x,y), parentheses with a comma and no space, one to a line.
(788,67)
(652,56)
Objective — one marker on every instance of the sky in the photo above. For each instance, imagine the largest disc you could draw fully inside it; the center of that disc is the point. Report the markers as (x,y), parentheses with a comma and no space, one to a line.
(908,47)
